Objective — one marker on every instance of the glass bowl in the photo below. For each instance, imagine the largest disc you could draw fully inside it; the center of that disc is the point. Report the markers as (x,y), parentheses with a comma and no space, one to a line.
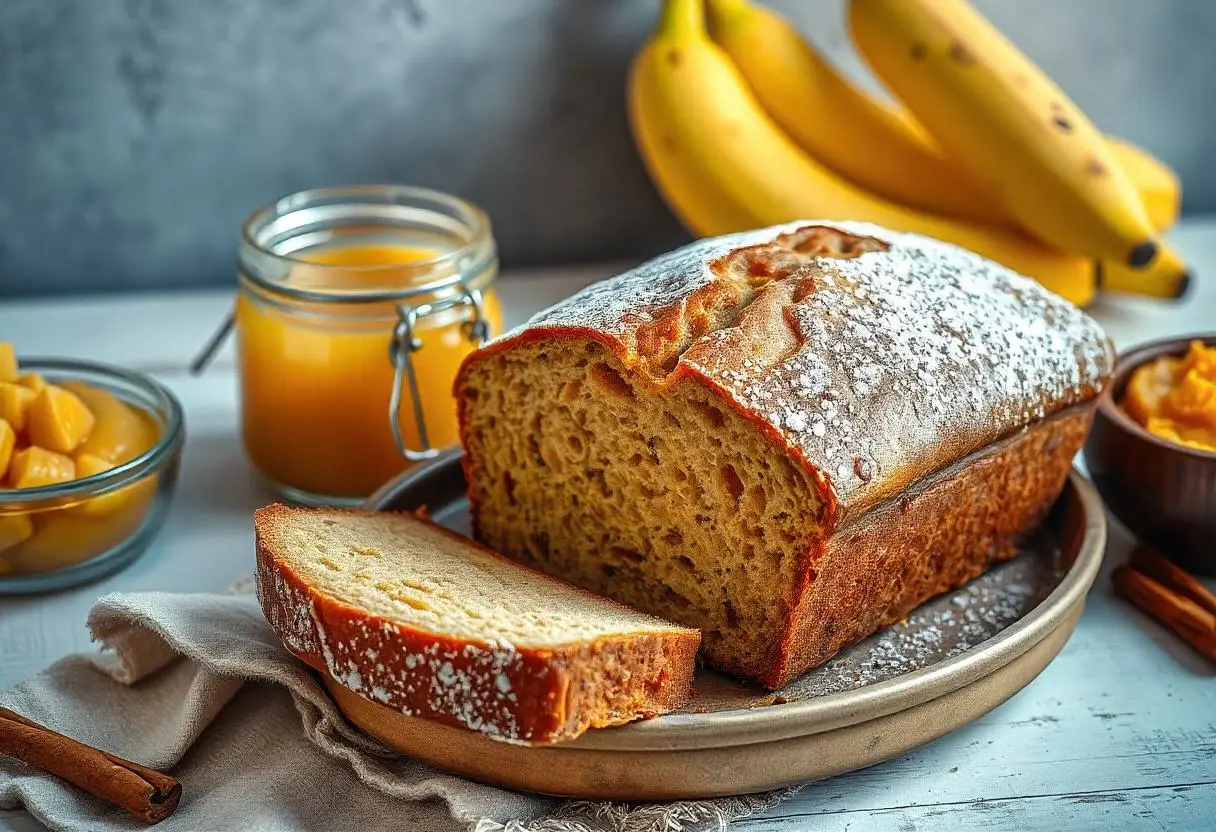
(88,528)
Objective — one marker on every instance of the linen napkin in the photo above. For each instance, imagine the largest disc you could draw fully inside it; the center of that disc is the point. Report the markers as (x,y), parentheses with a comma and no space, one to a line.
(199,685)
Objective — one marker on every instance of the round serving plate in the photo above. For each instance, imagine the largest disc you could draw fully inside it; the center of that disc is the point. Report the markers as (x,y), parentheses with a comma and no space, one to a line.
(954,659)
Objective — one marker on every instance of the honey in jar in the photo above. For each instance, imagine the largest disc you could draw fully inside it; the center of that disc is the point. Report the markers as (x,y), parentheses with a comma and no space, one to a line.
(348,295)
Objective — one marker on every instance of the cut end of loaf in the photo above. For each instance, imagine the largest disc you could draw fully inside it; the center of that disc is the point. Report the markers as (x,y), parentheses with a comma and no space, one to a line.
(671,501)
(415,617)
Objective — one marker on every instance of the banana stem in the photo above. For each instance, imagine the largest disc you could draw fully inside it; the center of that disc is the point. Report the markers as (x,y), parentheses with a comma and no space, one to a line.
(681,18)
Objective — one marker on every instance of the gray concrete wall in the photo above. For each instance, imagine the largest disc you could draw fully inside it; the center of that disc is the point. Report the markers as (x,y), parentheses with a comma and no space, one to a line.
(136,134)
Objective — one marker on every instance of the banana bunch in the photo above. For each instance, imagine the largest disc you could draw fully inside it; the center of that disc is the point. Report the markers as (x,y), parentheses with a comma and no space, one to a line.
(750,126)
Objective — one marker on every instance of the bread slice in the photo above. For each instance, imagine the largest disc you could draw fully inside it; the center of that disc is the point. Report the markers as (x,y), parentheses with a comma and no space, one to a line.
(418,618)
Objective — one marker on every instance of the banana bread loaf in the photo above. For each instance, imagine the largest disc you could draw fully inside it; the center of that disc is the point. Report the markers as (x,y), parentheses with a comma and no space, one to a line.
(787,438)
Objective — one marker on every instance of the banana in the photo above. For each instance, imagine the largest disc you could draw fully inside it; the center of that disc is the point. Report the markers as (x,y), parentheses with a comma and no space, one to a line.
(853,134)
(1157,184)
(872,143)
(723,165)
(1017,134)
(1168,277)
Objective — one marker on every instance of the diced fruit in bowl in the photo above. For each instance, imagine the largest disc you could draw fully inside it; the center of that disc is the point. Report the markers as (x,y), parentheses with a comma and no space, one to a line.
(65,537)
(120,431)
(15,402)
(34,467)
(137,494)
(58,420)
(8,362)
(84,452)
(32,381)
(14,529)
(8,443)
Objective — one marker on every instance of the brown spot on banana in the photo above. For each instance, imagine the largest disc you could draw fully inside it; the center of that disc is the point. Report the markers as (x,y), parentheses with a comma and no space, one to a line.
(1062,124)
(919,52)
(674,57)
(1094,167)
(1183,286)
(960,54)
(1142,254)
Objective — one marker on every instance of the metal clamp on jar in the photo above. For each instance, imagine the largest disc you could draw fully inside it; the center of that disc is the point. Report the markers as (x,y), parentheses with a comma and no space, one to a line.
(332,281)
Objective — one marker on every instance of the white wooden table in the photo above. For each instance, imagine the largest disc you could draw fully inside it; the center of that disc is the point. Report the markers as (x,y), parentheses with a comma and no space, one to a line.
(1118,733)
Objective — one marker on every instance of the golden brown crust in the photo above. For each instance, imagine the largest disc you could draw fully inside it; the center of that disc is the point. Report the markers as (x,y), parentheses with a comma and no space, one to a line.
(533,696)
(877,357)
(932,538)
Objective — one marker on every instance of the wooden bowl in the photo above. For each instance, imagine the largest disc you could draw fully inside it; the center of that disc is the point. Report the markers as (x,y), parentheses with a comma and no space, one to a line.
(1165,493)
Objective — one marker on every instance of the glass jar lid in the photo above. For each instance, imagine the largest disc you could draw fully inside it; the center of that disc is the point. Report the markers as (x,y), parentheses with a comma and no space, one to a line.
(275,237)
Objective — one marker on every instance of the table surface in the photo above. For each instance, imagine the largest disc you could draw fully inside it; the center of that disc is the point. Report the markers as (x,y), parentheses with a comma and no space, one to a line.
(1118,732)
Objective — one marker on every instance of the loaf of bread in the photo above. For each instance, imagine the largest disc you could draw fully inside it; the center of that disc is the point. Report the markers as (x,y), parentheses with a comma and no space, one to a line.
(787,438)
(415,617)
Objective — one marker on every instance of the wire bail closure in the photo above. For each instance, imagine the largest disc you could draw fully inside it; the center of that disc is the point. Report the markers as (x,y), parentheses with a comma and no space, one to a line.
(405,343)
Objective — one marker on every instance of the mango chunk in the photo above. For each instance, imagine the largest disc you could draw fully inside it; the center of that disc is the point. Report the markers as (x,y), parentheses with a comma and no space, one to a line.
(32,381)
(114,501)
(58,420)
(34,466)
(119,433)
(8,442)
(15,402)
(64,537)
(14,529)
(8,362)
(87,465)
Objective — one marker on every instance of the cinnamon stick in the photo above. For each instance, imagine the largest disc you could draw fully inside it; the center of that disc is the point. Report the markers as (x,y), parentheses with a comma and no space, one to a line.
(145,793)
(1171,575)
(1187,619)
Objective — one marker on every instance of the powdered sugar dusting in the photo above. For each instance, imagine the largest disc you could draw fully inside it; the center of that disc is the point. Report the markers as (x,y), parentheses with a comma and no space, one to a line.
(293,621)
(909,349)
(904,352)
(460,682)
(942,628)
(470,683)
(617,305)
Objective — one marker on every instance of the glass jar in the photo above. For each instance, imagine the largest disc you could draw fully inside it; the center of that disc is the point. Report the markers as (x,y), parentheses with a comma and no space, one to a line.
(356,306)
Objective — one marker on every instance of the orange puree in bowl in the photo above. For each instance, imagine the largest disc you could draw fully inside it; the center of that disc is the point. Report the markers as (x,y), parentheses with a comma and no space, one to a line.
(316,377)
(1175,398)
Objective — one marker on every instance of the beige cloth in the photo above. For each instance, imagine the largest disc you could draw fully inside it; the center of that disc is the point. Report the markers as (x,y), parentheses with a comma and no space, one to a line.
(199,686)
